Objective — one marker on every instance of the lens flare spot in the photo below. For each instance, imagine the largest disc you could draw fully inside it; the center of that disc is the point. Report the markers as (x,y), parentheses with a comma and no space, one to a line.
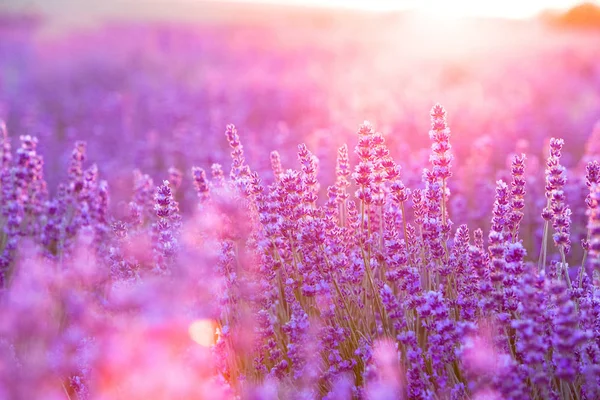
(202,331)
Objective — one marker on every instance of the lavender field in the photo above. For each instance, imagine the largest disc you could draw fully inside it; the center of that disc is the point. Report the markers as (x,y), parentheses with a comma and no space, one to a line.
(299,205)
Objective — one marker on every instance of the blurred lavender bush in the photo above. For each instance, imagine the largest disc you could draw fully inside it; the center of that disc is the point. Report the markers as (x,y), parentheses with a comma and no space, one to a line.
(135,263)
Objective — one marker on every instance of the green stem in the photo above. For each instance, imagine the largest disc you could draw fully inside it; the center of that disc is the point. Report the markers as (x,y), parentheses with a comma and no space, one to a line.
(583,260)
(542,259)
(564,267)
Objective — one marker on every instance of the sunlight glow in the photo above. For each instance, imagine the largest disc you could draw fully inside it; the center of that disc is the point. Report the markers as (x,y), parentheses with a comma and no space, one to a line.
(202,331)
(447,8)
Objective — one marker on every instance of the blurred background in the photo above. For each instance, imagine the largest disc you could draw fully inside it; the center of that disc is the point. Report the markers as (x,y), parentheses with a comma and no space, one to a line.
(151,84)
(84,11)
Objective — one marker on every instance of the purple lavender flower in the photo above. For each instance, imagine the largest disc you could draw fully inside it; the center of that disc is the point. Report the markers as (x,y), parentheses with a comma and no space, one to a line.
(276,164)
(518,194)
(201,183)
(567,338)
(593,245)
(165,241)
(556,209)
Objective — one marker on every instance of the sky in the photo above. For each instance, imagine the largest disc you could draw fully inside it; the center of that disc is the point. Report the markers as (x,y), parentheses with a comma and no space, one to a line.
(458,8)
(448,9)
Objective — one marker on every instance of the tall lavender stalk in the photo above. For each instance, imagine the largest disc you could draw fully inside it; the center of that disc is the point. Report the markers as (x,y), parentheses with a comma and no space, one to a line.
(555,211)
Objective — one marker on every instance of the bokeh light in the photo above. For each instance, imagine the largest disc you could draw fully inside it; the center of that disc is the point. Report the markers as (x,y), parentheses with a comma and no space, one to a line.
(202,331)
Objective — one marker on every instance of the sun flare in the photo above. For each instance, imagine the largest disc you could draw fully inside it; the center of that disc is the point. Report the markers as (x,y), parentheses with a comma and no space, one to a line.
(202,331)
(439,8)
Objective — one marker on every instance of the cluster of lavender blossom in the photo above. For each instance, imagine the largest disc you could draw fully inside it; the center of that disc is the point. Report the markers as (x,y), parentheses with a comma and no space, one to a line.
(364,289)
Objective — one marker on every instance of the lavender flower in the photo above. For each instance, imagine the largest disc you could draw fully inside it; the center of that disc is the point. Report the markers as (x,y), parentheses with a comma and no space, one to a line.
(593,245)
(288,288)
(166,242)
(201,183)
(518,194)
